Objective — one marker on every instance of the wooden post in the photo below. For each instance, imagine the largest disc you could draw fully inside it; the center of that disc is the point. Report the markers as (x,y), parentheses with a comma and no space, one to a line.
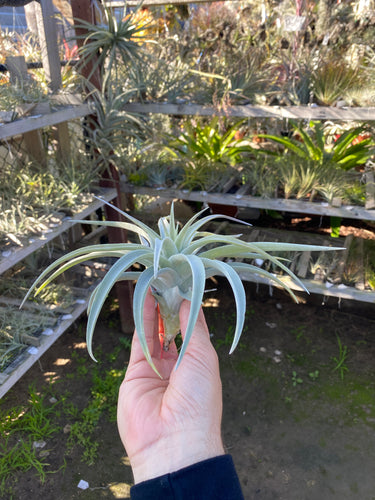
(370,191)
(17,68)
(47,30)
(40,20)
(85,10)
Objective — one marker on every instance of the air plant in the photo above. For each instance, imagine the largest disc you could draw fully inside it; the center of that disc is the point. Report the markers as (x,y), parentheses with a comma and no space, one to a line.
(176,260)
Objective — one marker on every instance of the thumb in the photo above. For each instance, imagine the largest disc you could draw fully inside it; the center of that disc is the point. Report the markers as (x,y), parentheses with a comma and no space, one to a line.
(200,334)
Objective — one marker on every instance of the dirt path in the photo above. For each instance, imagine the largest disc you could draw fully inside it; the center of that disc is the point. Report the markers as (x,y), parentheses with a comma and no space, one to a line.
(299,424)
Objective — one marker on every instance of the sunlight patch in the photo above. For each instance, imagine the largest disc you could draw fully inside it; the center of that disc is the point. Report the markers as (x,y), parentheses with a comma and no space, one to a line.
(211,302)
(119,490)
(61,361)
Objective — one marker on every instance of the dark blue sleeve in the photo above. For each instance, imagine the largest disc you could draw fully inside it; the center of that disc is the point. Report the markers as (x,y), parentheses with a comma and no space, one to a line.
(212,479)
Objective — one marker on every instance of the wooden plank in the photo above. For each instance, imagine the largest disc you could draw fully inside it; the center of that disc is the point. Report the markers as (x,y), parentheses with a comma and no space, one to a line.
(303,264)
(34,146)
(338,291)
(9,379)
(370,190)
(47,30)
(248,111)
(360,282)
(278,204)
(343,257)
(61,133)
(30,123)
(20,253)
(116,4)
(17,68)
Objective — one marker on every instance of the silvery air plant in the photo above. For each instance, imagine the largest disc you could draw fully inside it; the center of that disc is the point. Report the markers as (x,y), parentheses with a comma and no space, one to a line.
(177,260)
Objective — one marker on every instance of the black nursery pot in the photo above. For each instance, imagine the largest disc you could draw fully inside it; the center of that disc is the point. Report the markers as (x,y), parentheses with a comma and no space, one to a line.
(230,210)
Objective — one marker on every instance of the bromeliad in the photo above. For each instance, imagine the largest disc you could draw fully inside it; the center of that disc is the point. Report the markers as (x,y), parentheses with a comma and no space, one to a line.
(176,260)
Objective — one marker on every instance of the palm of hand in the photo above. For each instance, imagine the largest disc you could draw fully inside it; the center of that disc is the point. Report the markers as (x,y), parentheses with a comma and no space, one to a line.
(174,421)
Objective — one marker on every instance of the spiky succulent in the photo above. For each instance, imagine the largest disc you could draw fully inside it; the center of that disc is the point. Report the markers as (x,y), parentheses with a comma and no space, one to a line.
(176,261)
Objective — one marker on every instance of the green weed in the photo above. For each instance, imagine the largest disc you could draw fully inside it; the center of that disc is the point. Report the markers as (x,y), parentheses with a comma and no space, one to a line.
(339,360)
(21,427)
(104,393)
(299,332)
(126,343)
(296,379)
(314,375)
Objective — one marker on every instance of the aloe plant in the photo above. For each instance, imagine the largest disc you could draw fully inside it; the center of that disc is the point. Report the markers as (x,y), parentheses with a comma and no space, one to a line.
(177,261)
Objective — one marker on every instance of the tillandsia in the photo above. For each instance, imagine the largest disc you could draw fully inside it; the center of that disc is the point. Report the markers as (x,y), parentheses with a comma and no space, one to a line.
(177,260)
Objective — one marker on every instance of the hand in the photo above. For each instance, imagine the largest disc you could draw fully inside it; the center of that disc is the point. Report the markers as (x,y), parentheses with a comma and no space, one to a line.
(171,422)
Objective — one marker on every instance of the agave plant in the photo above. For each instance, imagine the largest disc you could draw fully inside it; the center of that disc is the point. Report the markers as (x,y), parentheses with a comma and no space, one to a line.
(177,260)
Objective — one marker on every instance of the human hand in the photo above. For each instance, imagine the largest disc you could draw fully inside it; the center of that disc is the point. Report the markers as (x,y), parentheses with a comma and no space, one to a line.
(171,422)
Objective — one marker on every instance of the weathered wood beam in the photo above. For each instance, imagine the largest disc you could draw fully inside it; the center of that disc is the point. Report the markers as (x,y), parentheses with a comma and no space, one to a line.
(36,122)
(278,204)
(248,111)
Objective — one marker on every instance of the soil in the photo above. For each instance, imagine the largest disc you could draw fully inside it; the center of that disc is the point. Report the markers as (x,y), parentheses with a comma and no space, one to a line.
(297,426)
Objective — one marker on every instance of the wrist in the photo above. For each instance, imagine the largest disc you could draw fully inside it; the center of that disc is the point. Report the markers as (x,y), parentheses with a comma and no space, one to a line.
(175,453)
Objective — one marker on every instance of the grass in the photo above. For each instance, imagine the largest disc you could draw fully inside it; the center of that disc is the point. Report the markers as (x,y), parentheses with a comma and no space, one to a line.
(53,415)
(340,359)
(21,428)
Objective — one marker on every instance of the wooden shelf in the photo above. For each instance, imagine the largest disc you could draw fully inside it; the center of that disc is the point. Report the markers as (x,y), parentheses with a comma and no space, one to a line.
(278,204)
(24,125)
(21,364)
(316,287)
(248,111)
(19,253)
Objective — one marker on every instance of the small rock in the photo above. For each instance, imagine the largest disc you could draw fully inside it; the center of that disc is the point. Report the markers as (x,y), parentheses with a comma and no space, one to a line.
(52,400)
(83,485)
(64,317)
(39,444)
(277,359)
(263,349)
(271,325)
(277,352)
(279,306)
(48,331)
(67,428)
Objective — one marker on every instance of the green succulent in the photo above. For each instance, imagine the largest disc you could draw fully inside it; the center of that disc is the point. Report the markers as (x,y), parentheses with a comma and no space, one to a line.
(177,260)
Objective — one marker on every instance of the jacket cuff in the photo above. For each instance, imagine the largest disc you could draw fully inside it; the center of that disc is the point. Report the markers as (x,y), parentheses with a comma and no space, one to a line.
(212,479)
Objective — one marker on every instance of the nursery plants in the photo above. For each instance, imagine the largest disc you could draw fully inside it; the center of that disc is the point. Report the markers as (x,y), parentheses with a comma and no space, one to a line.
(350,149)
(109,46)
(208,154)
(176,263)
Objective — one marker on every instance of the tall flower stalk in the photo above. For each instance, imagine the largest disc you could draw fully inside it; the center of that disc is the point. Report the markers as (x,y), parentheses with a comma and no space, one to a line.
(176,260)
